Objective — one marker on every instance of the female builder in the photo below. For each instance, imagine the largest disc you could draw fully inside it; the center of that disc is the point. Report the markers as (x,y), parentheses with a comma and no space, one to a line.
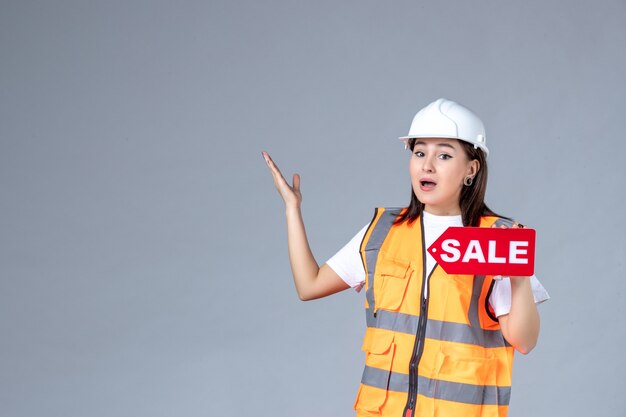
(436,345)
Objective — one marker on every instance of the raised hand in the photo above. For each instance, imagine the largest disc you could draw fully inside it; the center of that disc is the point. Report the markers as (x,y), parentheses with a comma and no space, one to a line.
(290,193)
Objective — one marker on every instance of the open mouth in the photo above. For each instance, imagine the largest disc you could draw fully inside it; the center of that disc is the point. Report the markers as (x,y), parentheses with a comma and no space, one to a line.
(427,184)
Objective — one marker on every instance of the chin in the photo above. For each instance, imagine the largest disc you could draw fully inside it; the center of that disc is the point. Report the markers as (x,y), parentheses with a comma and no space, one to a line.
(425,199)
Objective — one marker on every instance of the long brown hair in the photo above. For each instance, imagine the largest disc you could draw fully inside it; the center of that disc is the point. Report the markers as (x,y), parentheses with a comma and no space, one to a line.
(472,197)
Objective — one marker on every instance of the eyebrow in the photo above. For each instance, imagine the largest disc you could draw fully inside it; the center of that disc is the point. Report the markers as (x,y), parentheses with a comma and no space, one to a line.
(447,145)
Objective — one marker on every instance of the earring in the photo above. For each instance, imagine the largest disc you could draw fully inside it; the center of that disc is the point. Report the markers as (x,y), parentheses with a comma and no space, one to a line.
(468,181)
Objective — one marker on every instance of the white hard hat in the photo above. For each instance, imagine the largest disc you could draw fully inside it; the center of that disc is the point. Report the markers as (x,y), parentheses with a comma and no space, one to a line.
(444,118)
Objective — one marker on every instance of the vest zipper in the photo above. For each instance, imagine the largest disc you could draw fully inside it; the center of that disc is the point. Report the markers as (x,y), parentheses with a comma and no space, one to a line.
(418,347)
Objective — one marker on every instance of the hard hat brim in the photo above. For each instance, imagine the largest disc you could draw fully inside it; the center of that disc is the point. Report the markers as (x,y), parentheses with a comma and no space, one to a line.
(428,136)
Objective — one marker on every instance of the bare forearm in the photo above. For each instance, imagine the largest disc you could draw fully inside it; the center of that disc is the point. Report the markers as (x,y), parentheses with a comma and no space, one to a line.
(523,319)
(303,264)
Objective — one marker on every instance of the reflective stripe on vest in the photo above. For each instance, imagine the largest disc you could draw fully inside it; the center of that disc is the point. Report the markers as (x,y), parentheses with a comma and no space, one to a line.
(464,364)
(443,390)
(435,329)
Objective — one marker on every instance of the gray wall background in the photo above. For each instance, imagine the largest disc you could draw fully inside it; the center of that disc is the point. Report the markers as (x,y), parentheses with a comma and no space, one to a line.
(143,259)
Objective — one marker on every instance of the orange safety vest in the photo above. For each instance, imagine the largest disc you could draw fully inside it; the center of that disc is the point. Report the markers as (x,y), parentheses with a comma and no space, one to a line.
(440,356)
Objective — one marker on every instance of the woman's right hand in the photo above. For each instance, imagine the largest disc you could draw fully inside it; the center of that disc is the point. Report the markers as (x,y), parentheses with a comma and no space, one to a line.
(291,194)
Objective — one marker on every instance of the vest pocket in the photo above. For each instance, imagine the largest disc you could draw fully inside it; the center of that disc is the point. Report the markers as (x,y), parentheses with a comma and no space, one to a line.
(380,349)
(391,281)
(461,378)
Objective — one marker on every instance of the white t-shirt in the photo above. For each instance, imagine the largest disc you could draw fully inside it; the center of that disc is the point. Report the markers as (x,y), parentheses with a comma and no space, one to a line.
(348,265)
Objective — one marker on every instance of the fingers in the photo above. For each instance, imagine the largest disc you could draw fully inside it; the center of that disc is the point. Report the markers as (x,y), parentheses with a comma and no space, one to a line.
(273,167)
(296,183)
(289,193)
(515,225)
(270,162)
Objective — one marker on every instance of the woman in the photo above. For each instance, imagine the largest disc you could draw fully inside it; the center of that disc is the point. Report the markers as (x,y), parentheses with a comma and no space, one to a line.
(436,344)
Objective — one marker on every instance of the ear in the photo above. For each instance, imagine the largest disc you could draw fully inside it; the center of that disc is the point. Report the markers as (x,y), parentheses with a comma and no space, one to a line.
(473,167)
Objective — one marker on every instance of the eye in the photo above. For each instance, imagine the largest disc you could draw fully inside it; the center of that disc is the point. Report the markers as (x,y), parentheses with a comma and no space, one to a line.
(419,154)
(445,156)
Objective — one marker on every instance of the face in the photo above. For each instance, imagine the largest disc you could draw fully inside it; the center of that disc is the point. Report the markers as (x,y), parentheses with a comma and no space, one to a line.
(438,167)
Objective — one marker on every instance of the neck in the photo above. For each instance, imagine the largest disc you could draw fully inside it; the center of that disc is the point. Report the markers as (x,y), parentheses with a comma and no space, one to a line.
(443,211)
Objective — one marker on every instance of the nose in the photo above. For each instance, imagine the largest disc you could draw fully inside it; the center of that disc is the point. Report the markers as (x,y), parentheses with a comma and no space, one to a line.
(428,164)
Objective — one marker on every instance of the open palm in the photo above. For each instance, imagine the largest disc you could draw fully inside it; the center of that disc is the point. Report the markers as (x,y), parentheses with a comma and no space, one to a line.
(290,193)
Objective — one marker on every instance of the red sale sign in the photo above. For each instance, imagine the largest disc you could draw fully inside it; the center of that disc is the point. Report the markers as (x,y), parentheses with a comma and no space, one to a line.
(486,251)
